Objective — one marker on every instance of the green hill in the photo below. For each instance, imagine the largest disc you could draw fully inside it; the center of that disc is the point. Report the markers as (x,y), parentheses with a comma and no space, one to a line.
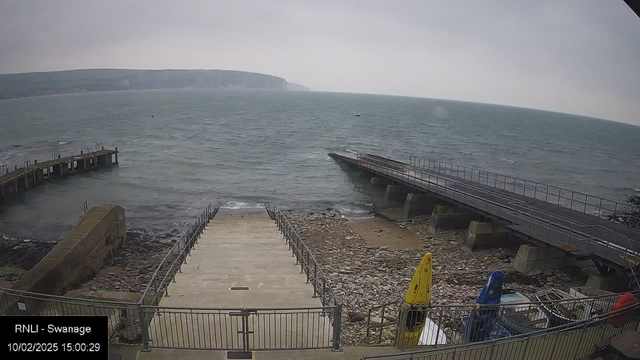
(73,81)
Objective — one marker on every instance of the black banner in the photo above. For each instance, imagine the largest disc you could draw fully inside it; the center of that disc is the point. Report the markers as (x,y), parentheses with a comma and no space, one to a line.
(54,337)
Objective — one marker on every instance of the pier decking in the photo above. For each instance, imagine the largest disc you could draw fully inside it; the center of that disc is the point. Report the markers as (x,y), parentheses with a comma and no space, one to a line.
(13,182)
(575,227)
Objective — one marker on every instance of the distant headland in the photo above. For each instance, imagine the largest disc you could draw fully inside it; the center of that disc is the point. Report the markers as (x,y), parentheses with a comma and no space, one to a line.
(85,80)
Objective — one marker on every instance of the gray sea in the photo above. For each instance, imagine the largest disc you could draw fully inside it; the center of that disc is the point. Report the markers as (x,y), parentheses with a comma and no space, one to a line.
(181,149)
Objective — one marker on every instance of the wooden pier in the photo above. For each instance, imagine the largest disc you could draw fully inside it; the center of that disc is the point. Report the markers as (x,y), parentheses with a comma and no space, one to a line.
(33,174)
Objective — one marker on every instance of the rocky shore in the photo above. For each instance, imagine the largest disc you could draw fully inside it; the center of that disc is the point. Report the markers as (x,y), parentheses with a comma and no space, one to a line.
(131,268)
(365,273)
(18,256)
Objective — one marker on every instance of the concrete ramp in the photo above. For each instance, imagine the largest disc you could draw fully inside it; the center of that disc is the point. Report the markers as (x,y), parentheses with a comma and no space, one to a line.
(244,287)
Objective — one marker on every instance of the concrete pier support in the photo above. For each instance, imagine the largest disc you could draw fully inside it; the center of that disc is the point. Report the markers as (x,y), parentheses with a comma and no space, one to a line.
(419,204)
(449,218)
(396,193)
(81,165)
(531,257)
(60,170)
(375,180)
(105,160)
(40,176)
(483,235)
(613,283)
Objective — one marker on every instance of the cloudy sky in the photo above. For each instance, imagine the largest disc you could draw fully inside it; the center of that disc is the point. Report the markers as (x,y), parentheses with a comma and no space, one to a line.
(576,56)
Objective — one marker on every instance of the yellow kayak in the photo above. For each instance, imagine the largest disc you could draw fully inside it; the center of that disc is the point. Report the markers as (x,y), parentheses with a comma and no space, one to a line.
(419,293)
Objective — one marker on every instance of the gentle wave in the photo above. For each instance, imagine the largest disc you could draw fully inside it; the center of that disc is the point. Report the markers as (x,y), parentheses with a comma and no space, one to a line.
(241,205)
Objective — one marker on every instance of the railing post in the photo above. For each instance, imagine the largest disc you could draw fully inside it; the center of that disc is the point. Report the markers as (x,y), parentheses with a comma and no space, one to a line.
(526,347)
(324,290)
(337,327)
(578,347)
(600,207)
(315,279)
(307,266)
(144,328)
(402,323)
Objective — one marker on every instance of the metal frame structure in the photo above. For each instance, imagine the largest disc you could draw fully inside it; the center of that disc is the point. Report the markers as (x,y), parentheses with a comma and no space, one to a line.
(570,341)
(448,317)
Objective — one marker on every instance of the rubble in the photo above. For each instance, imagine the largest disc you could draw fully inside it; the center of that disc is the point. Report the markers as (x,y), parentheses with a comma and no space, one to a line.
(131,268)
(365,275)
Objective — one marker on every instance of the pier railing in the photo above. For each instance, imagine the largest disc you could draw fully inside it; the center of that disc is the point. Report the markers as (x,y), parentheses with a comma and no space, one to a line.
(591,239)
(175,257)
(462,323)
(569,341)
(575,200)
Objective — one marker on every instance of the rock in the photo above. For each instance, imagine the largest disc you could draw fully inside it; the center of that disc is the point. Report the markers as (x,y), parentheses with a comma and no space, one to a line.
(355,316)
(390,318)
(387,334)
(375,320)
(551,279)
(534,272)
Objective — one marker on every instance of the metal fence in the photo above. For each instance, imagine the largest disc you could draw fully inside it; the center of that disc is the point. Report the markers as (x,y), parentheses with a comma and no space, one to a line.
(308,264)
(462,323)
(123,318)
(585,203)
(241,329)
(175,257)
(608,245)
(569,341)
(148,325)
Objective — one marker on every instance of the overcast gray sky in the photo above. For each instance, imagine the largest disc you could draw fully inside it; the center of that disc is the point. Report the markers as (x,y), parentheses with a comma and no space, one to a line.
(576,56)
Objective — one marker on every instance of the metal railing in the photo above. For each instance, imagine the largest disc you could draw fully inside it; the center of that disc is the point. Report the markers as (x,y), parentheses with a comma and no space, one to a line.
(608,245)
(575,200)
(241,329)
(123,318)
(309,266)
(175,257)
(456,324)
(569,341)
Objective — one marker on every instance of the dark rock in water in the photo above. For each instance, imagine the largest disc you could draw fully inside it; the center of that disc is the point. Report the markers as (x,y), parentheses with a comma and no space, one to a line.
(329,208)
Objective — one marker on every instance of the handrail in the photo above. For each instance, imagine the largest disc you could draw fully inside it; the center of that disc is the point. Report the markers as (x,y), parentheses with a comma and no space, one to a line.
(182,246)
(492,179)
(306,260)
(304,256)
(582,308)
(583,324)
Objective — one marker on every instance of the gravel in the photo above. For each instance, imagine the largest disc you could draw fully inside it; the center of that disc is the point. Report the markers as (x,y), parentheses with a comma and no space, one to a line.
(366,275)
